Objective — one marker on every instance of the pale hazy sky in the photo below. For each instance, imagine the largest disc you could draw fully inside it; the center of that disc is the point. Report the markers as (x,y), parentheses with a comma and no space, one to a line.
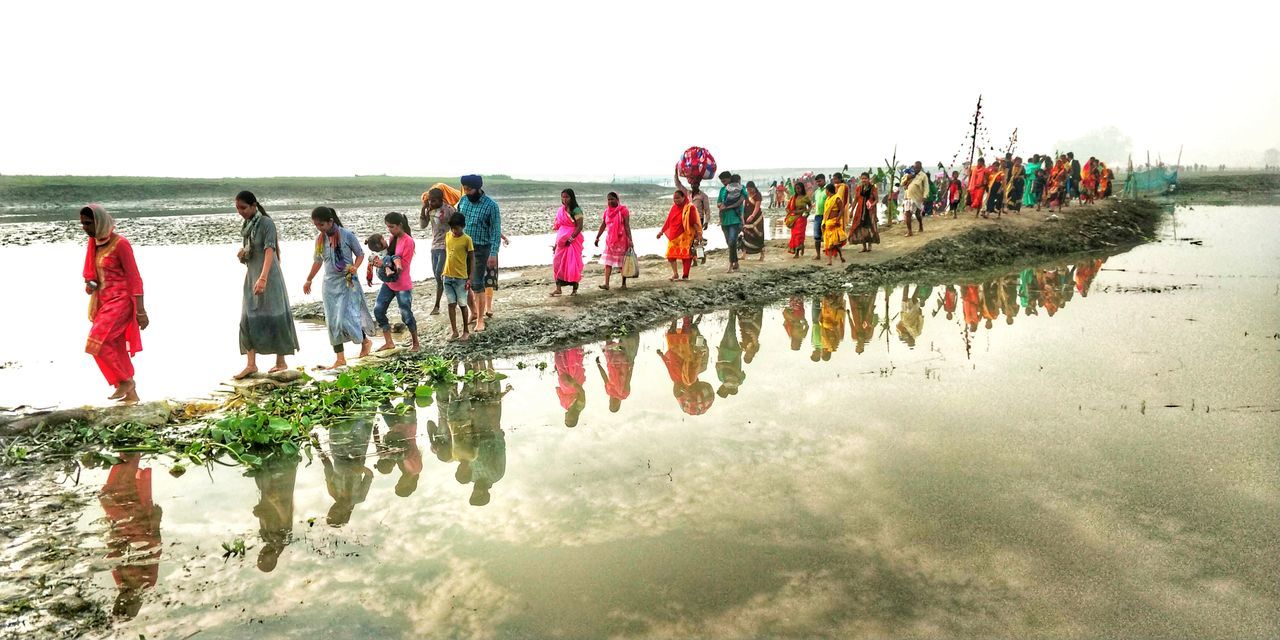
(597,88)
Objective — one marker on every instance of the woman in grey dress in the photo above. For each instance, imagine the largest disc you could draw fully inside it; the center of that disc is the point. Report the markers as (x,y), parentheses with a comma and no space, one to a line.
(339,253)
(266,323)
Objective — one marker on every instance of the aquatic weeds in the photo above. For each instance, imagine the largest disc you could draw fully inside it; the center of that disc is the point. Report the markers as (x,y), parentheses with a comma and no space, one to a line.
(278,422)
(234,549)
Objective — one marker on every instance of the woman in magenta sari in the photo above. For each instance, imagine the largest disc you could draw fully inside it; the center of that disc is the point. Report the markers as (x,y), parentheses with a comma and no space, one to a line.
(617,222)
(567,265)
(115,302)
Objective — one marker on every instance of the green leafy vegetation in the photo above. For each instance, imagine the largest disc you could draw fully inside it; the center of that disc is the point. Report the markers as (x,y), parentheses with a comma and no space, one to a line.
(280,422)
(234,549)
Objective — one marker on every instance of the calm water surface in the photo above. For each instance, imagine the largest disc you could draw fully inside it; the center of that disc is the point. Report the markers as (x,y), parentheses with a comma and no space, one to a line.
(1087,450)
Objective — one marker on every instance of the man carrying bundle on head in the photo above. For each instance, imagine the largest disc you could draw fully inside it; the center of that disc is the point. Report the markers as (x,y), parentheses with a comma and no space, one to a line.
(438,206)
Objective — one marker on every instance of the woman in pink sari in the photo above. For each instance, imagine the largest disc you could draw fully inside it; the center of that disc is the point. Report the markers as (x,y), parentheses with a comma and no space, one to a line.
(115,302)
(617,222)
(567,264)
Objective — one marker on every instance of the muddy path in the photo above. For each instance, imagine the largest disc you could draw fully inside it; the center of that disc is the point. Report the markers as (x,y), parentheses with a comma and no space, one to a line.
(527,319)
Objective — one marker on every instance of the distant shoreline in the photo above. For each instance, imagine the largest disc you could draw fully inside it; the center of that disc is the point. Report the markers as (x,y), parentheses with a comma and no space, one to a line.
(48,198)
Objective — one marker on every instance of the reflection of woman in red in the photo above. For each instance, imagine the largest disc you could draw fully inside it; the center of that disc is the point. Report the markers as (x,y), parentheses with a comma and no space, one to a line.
(135,533)
(948,301)
(795,323)
(573,378)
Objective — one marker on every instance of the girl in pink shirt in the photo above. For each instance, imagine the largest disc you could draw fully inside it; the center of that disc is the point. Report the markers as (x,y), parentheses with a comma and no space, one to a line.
(393,270)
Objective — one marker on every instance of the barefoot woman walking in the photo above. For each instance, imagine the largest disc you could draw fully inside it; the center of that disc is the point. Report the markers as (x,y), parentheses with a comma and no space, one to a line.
(115,302)
(338,252)
(266,323)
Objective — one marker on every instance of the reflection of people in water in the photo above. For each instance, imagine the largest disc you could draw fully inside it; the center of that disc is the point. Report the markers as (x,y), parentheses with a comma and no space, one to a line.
(485,442)
(815,331)
(1029,292)
(572,372)
(620,364)
(275,480)
(399,449)
(686,357)
(911,319)
(990,303)
(832,318)
(862,319)
(729,359)
(793,320)
(438,430)
(134,536)
(1086,271)
(1050,294)
(1066,284)
(345,475)
(1007,287)
(750,323)
(972,301)
(947,301)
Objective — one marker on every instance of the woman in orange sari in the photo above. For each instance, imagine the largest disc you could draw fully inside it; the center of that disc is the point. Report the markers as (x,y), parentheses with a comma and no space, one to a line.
(115,302)
(682,228)
(1104,180)
(978,185)
(1056,191)
(995,188)
(1088,181)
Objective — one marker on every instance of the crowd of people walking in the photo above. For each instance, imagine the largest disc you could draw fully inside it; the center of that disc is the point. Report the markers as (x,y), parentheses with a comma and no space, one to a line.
(465,227)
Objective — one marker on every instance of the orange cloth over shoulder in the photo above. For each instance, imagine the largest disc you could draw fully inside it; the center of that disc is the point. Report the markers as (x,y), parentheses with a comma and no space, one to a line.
(451,195)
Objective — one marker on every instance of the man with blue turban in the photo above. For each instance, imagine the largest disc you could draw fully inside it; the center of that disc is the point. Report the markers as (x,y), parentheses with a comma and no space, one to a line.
(484,225)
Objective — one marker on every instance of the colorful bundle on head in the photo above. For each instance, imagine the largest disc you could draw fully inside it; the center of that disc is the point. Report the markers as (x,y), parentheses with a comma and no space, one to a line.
(696,163)
(810,185)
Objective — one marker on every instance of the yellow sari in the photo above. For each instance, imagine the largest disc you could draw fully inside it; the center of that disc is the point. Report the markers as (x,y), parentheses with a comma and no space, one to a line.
(834,224)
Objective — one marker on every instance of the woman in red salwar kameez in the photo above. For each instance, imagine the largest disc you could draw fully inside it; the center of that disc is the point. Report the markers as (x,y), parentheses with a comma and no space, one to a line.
(115,302)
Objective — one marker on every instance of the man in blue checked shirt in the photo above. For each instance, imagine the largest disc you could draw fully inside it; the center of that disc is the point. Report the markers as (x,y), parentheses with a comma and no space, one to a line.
(484,225)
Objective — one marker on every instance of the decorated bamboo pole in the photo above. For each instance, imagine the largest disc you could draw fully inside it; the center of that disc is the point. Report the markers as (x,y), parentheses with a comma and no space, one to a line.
(973,148)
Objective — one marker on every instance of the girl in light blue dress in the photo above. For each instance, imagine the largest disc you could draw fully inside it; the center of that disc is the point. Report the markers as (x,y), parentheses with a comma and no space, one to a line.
(339,253)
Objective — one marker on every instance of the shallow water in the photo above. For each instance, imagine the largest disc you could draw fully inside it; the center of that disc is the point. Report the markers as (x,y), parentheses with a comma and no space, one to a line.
(1104,467)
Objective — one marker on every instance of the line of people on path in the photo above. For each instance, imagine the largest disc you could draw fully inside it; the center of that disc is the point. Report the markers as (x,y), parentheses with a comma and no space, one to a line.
(466,230)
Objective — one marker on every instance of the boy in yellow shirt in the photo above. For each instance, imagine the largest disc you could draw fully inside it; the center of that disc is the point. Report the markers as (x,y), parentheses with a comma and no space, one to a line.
(459,257)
